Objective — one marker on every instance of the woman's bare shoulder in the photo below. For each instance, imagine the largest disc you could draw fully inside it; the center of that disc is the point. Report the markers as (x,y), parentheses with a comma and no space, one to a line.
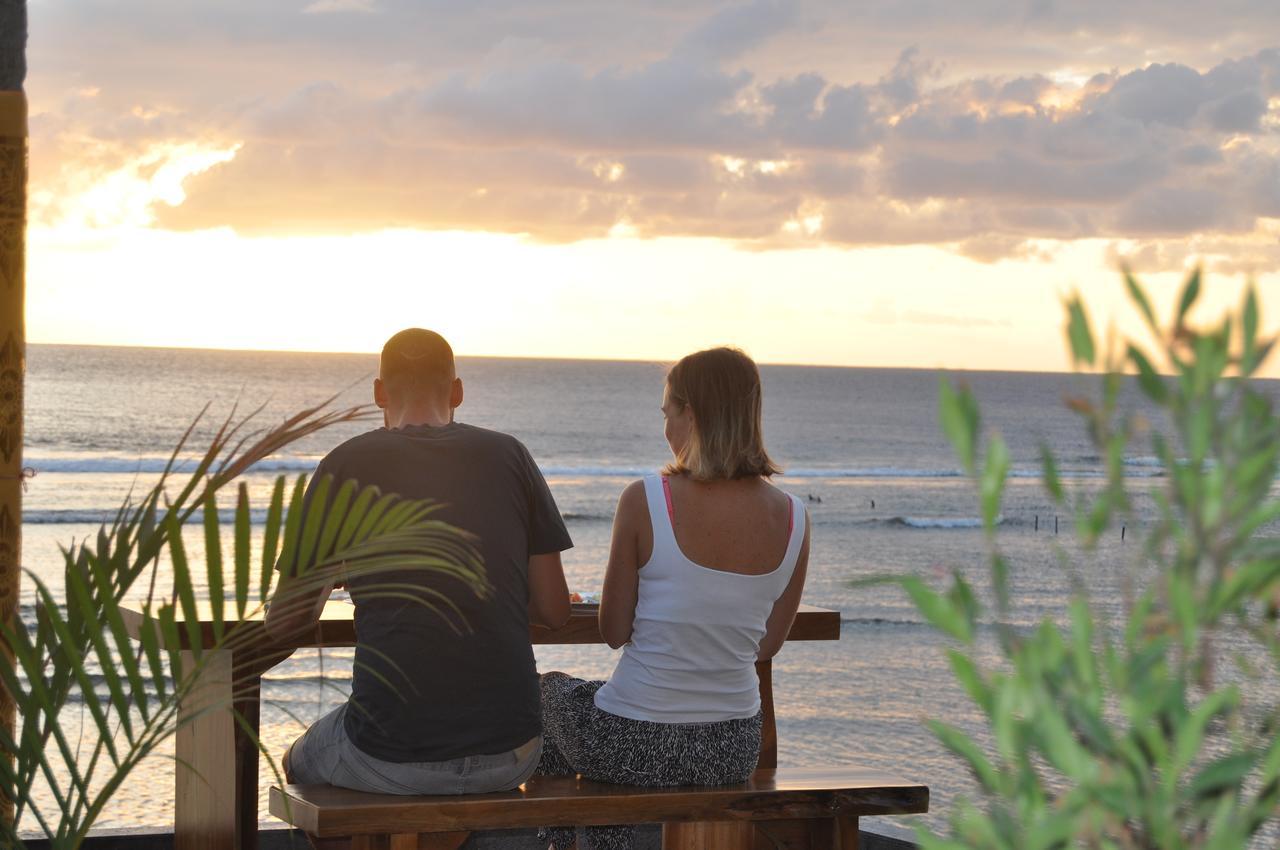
(633,498)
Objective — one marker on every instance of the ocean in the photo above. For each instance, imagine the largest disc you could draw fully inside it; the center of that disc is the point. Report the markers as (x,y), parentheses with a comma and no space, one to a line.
(861,446)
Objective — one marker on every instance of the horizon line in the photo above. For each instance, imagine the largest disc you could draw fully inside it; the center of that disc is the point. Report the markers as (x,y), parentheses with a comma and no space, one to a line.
(654,360)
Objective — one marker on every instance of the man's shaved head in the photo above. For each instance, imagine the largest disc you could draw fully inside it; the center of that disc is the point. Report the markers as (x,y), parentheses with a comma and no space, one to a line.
(416,363)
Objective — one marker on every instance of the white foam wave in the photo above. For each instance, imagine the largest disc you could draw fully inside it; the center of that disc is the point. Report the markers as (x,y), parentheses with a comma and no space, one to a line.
(152,464)
(97,517)
(944,522)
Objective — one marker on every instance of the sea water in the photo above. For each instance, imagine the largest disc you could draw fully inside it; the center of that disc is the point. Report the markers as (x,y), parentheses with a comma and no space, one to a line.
(861,447)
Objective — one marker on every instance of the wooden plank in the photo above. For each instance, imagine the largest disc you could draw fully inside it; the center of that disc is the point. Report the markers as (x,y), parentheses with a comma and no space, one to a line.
(439,841)
(248,703)
(782,794)
(337,627)
(846,837)
(13,341)
(723,835)
(815,834)
(205,813)
(769,729)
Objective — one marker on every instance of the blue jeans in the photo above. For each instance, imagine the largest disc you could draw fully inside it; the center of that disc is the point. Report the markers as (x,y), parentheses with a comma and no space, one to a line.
(324,754)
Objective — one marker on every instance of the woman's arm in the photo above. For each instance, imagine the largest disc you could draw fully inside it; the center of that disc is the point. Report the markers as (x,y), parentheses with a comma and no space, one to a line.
(784,610)
(622,575)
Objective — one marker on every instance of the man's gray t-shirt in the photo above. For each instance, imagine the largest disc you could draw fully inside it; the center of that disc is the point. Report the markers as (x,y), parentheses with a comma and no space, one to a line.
(429,685)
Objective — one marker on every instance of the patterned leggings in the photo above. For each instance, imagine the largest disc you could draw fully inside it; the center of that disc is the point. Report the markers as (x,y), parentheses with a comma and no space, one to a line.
(579,738)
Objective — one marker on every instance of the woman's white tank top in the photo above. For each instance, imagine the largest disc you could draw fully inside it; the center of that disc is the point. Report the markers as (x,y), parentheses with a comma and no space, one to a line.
(696,633)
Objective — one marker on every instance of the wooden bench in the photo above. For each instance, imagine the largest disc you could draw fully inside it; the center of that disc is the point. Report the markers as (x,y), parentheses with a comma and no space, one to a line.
(777,808)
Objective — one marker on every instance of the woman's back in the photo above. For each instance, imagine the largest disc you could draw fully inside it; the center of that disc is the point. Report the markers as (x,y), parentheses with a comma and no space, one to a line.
(699,621)
(736,525)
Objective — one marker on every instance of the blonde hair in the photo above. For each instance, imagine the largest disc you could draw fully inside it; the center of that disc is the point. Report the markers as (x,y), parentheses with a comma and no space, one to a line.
(722,387)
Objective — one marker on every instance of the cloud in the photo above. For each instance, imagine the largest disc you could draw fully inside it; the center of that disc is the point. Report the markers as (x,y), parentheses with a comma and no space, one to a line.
(732,120)
(736,29)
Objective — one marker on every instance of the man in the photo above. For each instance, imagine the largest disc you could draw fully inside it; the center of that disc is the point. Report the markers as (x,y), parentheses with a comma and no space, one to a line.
(440,703)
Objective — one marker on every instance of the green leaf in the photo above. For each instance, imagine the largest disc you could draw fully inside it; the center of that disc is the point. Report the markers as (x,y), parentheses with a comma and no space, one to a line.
(1249,331)
(1049,472)
(1140,298)
(313,523)
(1246,582)
(1060,745)
(213,566)
(1190,738)
(958,416)
(289,562)
(971,679)
(1086,662)
(968,750)
(1222,776)
(271,538)
(243,532)
(961,595)
(1079,334)
(993,481)
(937,609)
(334,520)
(1152,384)
(1190,292)
(183,586)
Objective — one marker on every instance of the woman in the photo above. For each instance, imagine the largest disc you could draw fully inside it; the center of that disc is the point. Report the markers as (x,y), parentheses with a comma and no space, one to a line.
(705,572)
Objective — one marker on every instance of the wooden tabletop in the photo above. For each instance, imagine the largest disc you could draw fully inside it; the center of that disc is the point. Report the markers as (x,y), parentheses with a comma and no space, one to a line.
(337,626)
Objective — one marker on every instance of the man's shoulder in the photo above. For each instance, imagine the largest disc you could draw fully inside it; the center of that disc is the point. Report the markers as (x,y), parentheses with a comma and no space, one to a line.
(382,440)
(369,440)
(488,436)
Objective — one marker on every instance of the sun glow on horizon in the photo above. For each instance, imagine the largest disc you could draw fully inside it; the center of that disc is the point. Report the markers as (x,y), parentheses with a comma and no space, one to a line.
(615,298)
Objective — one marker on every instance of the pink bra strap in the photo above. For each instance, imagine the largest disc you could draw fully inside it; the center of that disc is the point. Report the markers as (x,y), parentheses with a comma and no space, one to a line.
(671,511)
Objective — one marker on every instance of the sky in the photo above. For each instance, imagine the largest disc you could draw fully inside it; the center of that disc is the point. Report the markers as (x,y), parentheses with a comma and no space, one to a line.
(882,183)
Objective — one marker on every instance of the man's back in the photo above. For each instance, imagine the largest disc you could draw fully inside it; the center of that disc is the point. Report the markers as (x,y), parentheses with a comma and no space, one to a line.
(431,683)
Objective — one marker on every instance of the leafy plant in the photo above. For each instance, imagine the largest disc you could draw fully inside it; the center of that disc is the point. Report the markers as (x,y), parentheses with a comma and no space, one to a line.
(79,649)
(1132,734)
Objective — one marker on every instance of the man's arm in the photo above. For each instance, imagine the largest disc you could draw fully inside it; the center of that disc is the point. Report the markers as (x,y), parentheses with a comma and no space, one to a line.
(298,601)
(548,593)
(295,609)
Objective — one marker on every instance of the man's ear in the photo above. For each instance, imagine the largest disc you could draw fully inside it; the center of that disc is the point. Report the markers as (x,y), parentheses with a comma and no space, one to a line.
(455,393)
(379,393)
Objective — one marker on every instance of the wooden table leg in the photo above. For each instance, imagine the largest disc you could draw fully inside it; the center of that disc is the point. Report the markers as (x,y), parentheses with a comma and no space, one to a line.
(205,816)
(769,731)
(846,837)
(806,834)
(216,778)
(248,695)
(708,835)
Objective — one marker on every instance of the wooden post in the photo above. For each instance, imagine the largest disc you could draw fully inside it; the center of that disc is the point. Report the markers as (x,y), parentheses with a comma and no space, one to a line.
(13,347)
